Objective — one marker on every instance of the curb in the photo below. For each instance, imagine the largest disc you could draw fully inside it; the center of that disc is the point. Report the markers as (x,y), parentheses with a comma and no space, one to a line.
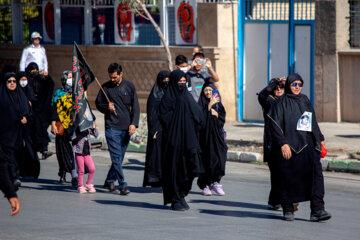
(337,165)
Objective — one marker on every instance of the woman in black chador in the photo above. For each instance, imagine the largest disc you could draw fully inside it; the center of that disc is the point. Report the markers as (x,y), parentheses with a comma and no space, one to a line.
(43,87)
(16,113)
(29,164)
(266,98)
(212,141)
(180,118)
(152,176)
(297,141)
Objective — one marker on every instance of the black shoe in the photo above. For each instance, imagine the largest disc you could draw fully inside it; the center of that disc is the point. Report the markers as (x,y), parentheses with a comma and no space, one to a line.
(320,215)
(289,216)
(184,203)
(17,184)
(62,180)
(274,207)
(110,186)
(74,181)
(177,206)
(296,206)
(46,154)
(124,191)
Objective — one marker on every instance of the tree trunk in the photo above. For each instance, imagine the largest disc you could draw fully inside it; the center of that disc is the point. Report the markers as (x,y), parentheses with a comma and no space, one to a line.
(158,30)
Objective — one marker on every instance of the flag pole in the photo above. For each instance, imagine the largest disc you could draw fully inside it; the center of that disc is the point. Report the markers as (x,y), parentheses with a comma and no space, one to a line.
(107,98)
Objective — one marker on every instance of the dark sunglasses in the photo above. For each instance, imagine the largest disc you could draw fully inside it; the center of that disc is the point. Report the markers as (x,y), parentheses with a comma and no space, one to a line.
(280,86)
(294,84)
(11,81)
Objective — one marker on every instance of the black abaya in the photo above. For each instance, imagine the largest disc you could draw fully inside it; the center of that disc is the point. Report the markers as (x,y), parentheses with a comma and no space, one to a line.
(43,87)
(212,142)
(299,176)
(14,106)
(181,118)
(152,175)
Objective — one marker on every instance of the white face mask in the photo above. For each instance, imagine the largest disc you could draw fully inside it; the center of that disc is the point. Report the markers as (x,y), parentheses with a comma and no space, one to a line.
(184,69)
(23,83)
(69,82)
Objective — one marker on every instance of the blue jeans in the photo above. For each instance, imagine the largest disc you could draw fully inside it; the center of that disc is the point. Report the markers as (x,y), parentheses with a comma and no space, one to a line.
(117,141)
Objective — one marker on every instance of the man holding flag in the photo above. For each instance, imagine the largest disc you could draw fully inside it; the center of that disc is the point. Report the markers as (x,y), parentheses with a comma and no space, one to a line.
(118,101)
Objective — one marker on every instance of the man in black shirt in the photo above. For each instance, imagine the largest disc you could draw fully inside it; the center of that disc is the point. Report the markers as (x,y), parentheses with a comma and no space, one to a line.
(121,119)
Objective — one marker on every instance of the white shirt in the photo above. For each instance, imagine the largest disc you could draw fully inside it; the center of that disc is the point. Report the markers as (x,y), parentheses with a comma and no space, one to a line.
(34,54)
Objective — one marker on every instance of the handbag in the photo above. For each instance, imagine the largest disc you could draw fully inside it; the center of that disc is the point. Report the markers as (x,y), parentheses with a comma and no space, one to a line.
(60,128)
(323,151)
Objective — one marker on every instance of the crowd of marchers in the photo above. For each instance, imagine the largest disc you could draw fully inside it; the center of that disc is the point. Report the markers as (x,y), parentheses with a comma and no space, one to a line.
(186,137)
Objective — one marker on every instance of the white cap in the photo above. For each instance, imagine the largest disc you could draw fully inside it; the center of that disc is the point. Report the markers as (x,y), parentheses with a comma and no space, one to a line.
(35,35)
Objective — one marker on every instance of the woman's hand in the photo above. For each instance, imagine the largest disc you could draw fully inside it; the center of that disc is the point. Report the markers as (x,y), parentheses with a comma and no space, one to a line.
(23,120)
(323,143)
(286,151)
(213,100)
(54,129)
(154,137)
(94,124)
(15,206)
(214,113)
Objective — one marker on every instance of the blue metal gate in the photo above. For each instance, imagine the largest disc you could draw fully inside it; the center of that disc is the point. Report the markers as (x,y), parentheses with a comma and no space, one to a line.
(276,37)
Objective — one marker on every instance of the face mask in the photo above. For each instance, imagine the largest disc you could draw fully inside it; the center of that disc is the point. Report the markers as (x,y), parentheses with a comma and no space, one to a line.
(182,86)
(34,74)
(23,83)
(184,69)
(164,85)
(69,82)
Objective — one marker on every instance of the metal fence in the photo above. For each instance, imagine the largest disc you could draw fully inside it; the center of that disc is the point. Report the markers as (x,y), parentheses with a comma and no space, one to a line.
(278,10)
(354,27)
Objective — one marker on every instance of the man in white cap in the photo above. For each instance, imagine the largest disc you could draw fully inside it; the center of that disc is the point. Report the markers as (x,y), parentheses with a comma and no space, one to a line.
(35,53)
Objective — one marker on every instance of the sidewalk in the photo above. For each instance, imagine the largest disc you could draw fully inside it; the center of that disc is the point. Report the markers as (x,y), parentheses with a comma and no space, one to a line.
(342,141)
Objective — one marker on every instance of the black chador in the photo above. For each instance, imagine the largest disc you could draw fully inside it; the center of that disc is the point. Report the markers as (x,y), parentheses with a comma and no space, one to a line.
(152,176)
(43,87)
(14,106)
(212,141)
(301,176)
(266,99)
(29,163)
(181,118)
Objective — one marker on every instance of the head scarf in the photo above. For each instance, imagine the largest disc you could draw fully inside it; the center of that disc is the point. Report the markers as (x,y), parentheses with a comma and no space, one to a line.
(290,79)
(152,106)
(158,89)
(31,67)
(64,77)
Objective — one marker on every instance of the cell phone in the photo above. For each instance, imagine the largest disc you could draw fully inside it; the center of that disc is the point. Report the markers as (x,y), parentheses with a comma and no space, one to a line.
(215,93)
(201,61)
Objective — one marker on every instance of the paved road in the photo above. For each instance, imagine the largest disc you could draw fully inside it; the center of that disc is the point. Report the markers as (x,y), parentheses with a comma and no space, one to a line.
(52,211)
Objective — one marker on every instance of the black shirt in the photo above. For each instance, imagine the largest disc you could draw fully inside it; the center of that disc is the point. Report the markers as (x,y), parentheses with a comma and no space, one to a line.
(126,104)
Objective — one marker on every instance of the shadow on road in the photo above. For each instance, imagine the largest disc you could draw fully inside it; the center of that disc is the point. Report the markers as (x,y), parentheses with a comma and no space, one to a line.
(132,204)
(349,136)
(243,214)
(232,204)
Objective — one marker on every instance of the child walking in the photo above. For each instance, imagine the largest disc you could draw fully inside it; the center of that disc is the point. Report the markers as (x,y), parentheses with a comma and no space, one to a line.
(82,148)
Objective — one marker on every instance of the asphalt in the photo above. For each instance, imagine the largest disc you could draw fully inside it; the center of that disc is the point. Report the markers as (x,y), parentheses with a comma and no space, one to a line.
(54,211)
(342,141)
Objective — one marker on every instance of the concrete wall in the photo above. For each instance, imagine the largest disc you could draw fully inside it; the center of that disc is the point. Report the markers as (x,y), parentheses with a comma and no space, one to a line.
(326,85)
(140,64)
(218,27)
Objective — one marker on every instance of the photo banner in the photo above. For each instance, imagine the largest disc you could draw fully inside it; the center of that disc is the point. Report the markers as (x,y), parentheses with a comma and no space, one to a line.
(124,24)
(48,21)
(185,22)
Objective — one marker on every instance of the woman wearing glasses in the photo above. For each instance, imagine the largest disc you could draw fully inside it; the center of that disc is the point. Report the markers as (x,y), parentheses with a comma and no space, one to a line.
(296,151)
(267,98)
(15,110)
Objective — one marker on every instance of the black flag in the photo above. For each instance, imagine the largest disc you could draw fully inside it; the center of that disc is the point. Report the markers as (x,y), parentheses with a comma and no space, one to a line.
(83,76)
